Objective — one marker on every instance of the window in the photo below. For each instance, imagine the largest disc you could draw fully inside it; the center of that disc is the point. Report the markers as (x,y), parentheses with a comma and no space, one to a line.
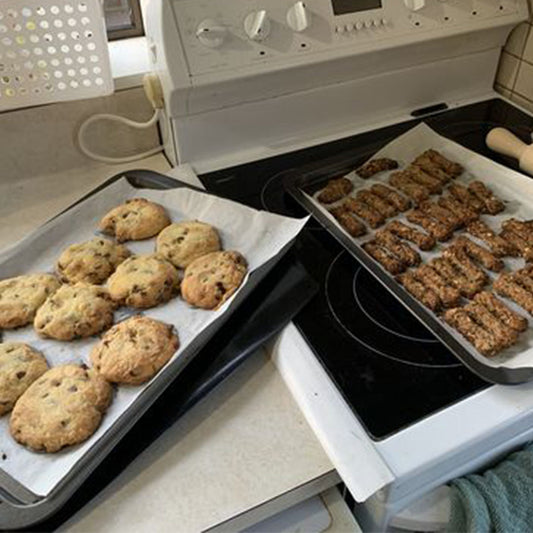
(123,19)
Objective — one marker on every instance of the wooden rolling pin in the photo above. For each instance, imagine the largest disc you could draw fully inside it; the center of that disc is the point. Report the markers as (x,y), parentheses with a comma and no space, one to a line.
(504,142)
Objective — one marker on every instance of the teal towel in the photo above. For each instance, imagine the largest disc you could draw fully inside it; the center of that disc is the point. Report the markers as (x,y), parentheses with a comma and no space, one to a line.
(500,500)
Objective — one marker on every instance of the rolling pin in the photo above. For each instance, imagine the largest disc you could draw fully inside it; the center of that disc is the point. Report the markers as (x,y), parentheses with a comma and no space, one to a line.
(504,142)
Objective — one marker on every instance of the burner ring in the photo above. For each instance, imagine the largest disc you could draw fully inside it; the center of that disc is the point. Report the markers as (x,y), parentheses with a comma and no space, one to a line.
(279,204)
(419,353)
(382,326)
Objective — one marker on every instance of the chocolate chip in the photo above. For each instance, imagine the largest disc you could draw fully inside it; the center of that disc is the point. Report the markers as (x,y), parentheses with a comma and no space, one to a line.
(4,457)
(73,388)
(20,374)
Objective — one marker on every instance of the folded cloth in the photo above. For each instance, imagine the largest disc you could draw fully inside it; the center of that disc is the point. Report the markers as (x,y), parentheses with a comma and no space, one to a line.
(499,500)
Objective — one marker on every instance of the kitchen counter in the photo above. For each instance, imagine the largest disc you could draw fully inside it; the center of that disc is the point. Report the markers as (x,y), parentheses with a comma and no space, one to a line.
(241,455)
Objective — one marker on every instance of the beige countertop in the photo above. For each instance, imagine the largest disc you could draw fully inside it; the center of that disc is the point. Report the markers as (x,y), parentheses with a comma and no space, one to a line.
(247,444)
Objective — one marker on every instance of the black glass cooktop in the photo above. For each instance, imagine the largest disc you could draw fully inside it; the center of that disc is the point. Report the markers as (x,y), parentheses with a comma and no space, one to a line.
(391,370)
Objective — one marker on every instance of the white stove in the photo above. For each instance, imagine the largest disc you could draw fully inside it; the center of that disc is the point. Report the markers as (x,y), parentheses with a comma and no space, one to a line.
(245,80)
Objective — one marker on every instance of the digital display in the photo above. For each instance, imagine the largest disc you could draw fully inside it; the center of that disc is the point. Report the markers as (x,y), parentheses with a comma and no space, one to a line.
(341,7)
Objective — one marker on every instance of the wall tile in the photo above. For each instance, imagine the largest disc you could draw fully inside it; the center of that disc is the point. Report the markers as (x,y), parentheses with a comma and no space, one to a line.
(524,80)
(503,90)
(517,39)
(514,78)
(507,70)
(524,102)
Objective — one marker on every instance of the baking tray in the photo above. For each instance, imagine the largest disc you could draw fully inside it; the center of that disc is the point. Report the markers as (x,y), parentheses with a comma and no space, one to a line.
(284,291)
(305,182)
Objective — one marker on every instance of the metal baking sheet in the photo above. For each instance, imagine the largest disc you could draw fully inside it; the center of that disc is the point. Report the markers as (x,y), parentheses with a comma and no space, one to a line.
(29,498)
(513,365)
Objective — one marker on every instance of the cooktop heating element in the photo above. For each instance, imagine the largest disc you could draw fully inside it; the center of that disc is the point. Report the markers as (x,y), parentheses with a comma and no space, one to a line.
(388,367)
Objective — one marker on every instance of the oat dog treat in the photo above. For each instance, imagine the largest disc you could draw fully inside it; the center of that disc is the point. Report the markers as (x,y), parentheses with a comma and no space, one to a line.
(401,203)
(210,280)
(75,311)
(134,220)
(385,257)
(63,407)
(20,298)
(183,242)
(372,217)
(484,341)
(351,224)
(376,202)
(376,165)
(135,350)
(421,239)
(335,190)
(92,261)
(144,281)
(20,366)
(451,168)
(420,291)
(403,181)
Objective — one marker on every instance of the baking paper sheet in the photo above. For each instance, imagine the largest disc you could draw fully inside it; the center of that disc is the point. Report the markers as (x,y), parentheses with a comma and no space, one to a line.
(513,187)
(258,235)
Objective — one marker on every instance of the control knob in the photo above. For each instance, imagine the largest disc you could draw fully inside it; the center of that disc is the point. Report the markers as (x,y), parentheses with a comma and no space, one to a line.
(414,5)
(257,25)
(211,33)
(299,17)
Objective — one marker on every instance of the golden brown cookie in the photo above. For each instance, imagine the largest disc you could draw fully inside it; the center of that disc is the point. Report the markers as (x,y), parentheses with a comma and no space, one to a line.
(183,242)
(134,220)
(63,407)
(210,280)
(75,311)
(20,298)
(20,366)
(135,350)
(91,262)
(144,281)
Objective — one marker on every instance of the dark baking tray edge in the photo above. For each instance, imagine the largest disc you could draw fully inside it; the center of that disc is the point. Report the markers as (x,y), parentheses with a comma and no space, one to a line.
(20,507)
(295,181)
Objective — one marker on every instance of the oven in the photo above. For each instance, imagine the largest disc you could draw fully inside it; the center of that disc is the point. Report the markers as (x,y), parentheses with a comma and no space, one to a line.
(255,91)
(360,365)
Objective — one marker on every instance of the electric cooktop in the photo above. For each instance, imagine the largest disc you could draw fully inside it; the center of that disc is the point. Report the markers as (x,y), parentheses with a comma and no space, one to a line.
(390,369)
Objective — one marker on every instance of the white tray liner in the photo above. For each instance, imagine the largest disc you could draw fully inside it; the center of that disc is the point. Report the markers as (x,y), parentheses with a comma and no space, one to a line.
(514,188)
(258,235)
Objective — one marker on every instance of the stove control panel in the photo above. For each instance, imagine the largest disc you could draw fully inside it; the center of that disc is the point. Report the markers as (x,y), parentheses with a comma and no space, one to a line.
(218,35)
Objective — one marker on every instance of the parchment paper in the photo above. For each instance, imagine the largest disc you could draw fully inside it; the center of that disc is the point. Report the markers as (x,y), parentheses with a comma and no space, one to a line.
(258,235)
(512,187)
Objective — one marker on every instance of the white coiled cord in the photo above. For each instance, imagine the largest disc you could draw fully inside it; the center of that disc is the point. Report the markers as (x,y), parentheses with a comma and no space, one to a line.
(115,118)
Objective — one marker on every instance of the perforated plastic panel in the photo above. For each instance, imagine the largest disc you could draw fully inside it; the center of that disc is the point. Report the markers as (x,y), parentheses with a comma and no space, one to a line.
(52,51)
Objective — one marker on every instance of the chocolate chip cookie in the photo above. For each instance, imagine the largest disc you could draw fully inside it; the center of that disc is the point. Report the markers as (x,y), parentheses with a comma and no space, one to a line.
(183,242)
(63,407)
(134,220)
(75,311)
(144,281)
(20,298)
(20,366)
(210,280)
(135,350)
(92,261)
